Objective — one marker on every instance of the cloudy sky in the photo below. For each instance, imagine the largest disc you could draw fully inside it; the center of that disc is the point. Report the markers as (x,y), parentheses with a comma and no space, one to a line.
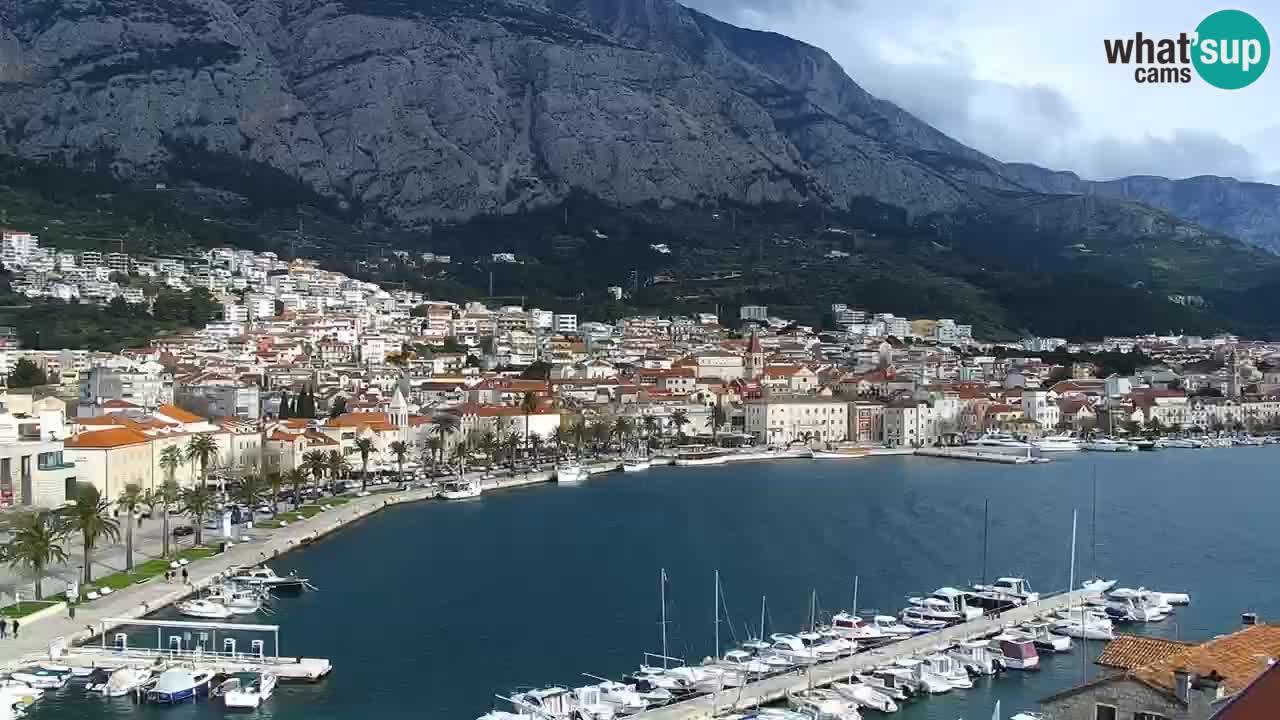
(1028,81)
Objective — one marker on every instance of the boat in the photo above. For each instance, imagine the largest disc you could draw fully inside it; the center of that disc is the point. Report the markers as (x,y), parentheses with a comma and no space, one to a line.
(125,681)
(866,696)
(636,464)
(178,684)
(793,649)
(1057,443)
(1017,653)
(841,454)
(461,490)
(890,625)
(205,609)
(855,628)
(75,672)
(570,473)
(249,697)
(930,682)
(999,440)
(1014,590)
(693,457)
(1138,607)
(1088,628)
(267,578)
(42,679)
(1145,445)
(1042,635)
(1186,444)
(823,705)
(888,683)
(948,669)
(976,657)
(1163,599)
(624,698)
(1108,445)
(1098,585)
(745,662)
(18,697)
(921,620)
(1027,715)
(238,600)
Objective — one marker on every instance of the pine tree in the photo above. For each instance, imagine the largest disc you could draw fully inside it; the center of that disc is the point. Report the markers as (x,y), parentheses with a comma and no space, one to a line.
(284,405)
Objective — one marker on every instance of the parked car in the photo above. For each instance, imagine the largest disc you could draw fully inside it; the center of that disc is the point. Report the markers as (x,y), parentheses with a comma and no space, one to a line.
(183,531)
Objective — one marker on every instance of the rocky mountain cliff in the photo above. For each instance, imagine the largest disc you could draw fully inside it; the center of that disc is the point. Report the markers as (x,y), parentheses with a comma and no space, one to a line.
(421,111)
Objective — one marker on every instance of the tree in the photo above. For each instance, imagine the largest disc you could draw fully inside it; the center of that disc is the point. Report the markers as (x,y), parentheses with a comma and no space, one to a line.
(680,418)
(512,443)
(364,446)
(36,545)
(399,450)
(338,468)
(162,498)
(285,410)
(621,430)
(197,503)
(580,433)
(535,446)
(650,426)
(558,438)
(718,420)
(528,406)
(201,448)
(26,374)
(434,445)
(317,462)
(297,478)
(91,517)
(275,483)
(337,407)
(130,503)
(601,431)
(250,491)
(1155,426)
(489,445)
(443,426)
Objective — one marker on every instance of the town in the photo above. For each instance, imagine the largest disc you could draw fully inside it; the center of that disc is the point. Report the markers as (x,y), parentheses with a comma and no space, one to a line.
(305,360)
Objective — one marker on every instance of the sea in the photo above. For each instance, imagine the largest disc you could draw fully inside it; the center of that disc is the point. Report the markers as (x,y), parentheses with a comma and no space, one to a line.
(433,610)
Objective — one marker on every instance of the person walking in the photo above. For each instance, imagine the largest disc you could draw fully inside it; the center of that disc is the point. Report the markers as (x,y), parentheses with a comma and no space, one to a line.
(71,610)
(4,629)
(184,577)
(15,628)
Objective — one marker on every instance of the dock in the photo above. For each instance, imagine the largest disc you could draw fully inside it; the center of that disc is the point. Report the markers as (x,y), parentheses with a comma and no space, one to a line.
(969,453)
(778,687)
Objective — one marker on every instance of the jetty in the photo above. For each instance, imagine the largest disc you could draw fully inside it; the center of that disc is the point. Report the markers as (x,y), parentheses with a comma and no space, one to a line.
(777,688)
(970,453)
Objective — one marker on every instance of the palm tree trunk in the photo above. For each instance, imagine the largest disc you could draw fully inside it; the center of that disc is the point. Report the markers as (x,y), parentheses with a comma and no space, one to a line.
(128,543)
(164,528)
(40,586)
(88,561)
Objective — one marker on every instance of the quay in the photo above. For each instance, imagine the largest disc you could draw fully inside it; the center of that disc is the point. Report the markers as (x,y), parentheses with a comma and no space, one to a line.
(778,687)
(981,456)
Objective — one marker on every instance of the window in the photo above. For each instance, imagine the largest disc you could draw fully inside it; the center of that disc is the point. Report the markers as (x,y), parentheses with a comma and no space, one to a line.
(1148,716)
(1104,712)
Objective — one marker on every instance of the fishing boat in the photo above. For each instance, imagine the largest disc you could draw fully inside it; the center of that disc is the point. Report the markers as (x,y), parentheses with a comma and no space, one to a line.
(948,669)
(461,490)
(697,456)
(930,682)
(252,695)
(204,609)
(126,681)
(267,578)
(178,684)
(570,473)
(636,464)
(866,696)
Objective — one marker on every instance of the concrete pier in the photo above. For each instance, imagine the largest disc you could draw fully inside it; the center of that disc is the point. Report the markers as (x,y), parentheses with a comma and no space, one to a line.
(979,455)
(776,688)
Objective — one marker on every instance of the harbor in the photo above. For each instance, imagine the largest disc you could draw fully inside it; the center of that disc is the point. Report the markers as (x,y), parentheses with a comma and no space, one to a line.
(902,525)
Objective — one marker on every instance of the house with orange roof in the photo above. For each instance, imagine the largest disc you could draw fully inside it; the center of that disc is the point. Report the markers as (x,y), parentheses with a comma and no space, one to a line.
(112,458)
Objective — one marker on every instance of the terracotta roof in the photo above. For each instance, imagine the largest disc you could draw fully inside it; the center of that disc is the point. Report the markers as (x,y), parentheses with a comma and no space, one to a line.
(1258,701)
(177,413)
(1238,657)
(360,419)
(103,439)
(1127,652)
(119,404)
(316,438)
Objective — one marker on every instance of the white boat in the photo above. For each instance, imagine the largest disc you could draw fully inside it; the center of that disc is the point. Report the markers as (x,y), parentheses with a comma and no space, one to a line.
(1186,444)
(975,656)
(930,682)
(240,601)
(887,683)
(42,680)
(1015,652)
(1027,715)
(1136,606)
(17,697)
(841,454)
(1163,599)
(570,473)
(855,628)
(178,684)
(636,464)
(1108,445)
(866,696)
(125,681)
(1015,590)
(948,669)
(1057,443)
(794,649)
(1086,629)
(252,695)
(461,490)
(822,705)
(694,457)
(921,620)
(999,440)
(890,625)
(1042,635)
(267,578)
(1098,585)
(206,609)
(746,663)
(624,698)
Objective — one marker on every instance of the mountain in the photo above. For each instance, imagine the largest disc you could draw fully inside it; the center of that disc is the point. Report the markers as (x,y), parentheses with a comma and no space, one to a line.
(403,119)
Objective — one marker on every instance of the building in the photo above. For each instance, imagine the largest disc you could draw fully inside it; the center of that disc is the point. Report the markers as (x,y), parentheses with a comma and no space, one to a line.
(866,421)
(1158,679)
(1040,407)
(782,419)
(147,385)
(564,324)
(33,469)
(215,396)
(758,313)
(910,423)
(18,249)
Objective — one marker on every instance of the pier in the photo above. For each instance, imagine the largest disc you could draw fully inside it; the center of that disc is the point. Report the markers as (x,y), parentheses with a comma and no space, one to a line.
(969,453)
(778,687)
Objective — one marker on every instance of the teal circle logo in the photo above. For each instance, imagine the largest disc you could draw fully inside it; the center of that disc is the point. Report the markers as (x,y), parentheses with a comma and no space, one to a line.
(1232,49)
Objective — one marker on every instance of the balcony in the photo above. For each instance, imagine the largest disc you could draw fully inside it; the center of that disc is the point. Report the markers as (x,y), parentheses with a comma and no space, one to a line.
(55,465)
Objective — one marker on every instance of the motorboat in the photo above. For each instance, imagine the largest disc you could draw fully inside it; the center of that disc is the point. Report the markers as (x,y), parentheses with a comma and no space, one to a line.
(624,698)
(757,646)
(1027,715)
(976,657)
(1108,445)
(1013,589)
(930,682)
(999,440)
(841,454)
(1137,605)
(42,679)
(96,681)
(1145,445)
(889,683)
(828,646)
(949,604)
(693,457)
(1057,443)
(252,695)
(1162,598)
(461,490)
(855,628)
(75,672)
(18,697)
(126,681)
(203,608)
(697,679)
(866,696)
(889,625)
(178,684)
(746,663)
(921,620)
(1086,629)
(948,669)
(823,705)
(1186,444)
(589,705)
(777,661)
(239,601)
(570,473)
(1098,585)
(267,578)
(794,649)
(1017,653)
(636,464)
(1042,635)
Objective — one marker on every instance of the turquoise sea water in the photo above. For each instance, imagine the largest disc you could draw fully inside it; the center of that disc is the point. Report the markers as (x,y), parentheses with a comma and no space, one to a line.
(428,610)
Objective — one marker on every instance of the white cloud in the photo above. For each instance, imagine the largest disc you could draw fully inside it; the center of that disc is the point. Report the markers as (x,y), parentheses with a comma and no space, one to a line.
(1027,82)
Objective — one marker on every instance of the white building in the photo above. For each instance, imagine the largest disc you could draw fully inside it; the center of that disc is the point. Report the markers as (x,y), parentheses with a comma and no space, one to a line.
(1037,406)
(783,419)
(565,324)
(754,312)
(910,423)
(18,249)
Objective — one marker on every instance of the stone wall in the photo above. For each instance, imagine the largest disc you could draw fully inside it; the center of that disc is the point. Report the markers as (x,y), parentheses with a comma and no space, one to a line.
(1127,696)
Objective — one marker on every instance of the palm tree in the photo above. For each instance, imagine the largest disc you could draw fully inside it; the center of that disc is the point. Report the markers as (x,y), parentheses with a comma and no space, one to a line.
(434,445)
(579,432)
(202,448)
(364,446)
(162,499)
(338,467)
(558,437)
(489,445)
(275,483)
(601,431)
(680,418)
(528,405)
(535,444)
(718,419)
(317,462)
(37,544)
(198,502)
(91,517)
(442,426)
(171,458)
(650,426)
(459,458)
(399,450)
(622,430)
(512,442)
(297,478)
(130,502)
(250,492)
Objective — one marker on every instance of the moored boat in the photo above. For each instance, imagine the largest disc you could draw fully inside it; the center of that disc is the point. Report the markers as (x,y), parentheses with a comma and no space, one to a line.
(125,681)
(1057,443)
(250,696)
(1108,445)
(176,685)
(204,609)
(461,490)
(570,473)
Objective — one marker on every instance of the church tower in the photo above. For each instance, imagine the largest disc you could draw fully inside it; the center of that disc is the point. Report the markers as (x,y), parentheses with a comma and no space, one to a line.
(755,357)
(399,412)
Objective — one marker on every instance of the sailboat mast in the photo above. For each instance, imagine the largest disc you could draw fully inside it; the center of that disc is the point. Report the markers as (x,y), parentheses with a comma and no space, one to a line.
(986,526)
(1093,526)
(717,652)
(854,609)
(1071,583)
(813,611)
(663,592)
(762,600)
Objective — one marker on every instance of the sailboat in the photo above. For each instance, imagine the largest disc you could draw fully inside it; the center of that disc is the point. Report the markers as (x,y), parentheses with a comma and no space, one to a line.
(1079,624)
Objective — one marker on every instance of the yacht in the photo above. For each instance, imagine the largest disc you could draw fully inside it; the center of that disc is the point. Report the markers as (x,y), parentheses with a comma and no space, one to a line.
(999,440)
(921,620)
(1139,607)
(890,625)
(948,669)
(947,604)
(1088,627)
(267,578)
(1042,635)
(461,490)
(855,628)
(794,649)
(125,681)
(178,684)
(1014,590)
(975,656)
(1108,445)
(624,698)
(824,705)
(204,609)
(866,696)
(570,473)
(1162,598)
(701,456)
(588,704)
(929,681)
(1098,585)
(1017,653)
(238,601)
(746,663)
(1057,443)
(251,696)
(636,464)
